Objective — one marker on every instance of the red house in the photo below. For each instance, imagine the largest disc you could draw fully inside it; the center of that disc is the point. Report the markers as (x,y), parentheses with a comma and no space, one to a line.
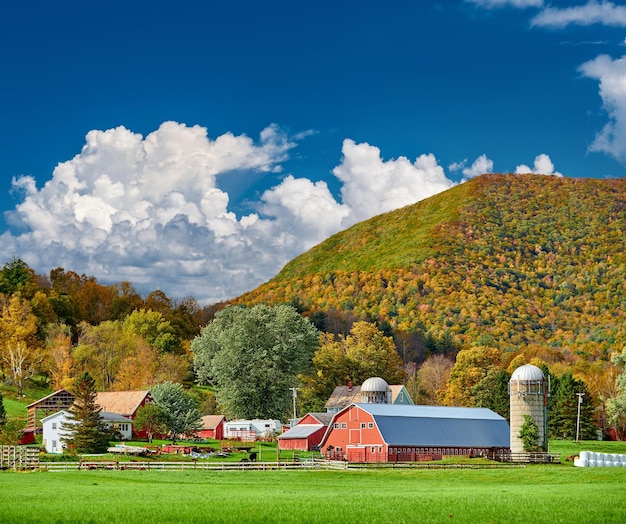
(307,433)
(125,403)
(212,427)
(404,433)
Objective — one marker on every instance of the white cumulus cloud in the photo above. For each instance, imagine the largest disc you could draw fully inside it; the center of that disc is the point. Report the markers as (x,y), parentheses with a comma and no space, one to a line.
(591,13)
(612,77)
(150,209)
(480,166)
(372,185)
(542,166)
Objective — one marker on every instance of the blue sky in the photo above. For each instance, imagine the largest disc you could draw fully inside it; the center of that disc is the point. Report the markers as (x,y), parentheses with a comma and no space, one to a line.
(196,147)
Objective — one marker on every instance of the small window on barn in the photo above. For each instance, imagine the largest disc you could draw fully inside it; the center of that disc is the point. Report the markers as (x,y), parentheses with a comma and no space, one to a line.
(362,425)
(344,425)
(370,425)
(336,425)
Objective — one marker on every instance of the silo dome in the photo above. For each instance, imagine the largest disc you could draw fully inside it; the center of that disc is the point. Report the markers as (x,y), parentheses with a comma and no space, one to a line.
(374,385)
(527,372)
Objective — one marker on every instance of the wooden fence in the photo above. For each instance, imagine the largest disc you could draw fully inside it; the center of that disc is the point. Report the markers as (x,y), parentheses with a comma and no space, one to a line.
(19,457)
(85,465)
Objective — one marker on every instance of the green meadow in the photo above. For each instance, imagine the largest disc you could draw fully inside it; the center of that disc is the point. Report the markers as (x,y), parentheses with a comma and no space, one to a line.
(533,494)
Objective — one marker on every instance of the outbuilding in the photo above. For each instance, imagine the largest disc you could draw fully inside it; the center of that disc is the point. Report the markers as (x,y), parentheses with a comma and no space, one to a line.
(306,434)
(403,433)
(212,427)
(250,430)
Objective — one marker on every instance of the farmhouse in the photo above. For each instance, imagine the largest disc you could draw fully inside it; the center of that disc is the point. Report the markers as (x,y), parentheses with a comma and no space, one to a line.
(250,430)
(306,434)
(401,433)
(374,389)
(53,433)
(212,427)
(124,403)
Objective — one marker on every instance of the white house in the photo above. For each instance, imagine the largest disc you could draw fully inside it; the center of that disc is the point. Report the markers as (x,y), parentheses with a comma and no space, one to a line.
(53,434)
(250,430)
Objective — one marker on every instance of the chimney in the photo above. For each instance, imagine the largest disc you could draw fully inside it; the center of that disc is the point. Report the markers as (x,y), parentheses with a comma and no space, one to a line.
(350,386)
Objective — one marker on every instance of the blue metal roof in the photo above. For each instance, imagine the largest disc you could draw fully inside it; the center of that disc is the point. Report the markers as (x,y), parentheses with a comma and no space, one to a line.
(301,431)
(402,425)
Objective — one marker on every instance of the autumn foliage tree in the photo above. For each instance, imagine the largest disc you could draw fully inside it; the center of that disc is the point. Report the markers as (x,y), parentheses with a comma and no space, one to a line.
(21,354)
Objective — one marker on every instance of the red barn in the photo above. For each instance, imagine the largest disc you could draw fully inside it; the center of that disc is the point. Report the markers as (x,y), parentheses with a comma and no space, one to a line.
(212,427)
(404,433)
(307,433)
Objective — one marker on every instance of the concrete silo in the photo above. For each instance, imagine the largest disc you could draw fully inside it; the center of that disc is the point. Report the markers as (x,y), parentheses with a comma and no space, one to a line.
(527,391)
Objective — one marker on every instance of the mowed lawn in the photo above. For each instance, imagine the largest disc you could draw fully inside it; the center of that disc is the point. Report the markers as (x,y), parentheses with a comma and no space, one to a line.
(534,494)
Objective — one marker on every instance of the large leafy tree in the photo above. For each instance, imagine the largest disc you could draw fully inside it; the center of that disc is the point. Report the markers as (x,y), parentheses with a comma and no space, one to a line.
(253,356)
(365,352)
(16,276)
(179,411)
(152,326)
(471,367)
(85,430)
(152,419)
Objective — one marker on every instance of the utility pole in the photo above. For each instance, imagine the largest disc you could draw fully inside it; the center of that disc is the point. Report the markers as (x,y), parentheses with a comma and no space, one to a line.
(580,401)
(295,396)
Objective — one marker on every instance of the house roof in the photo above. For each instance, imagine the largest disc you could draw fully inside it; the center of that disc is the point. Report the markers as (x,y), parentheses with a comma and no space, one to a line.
(211,421)
(343,396)
(301,431)
(121,402)
(406,425)
(104,415)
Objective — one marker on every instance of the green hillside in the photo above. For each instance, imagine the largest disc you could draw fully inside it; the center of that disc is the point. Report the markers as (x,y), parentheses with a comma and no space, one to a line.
(516,262)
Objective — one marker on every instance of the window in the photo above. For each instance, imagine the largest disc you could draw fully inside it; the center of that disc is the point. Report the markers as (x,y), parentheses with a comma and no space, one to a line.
(362,425)
(336,425)
(54,425)
(54,444)
(370,425)
(344,425)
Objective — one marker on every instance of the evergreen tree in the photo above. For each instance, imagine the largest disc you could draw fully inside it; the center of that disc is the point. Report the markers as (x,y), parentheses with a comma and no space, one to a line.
(493,392)
(85,430)
(563,415)
(529,433)
(3,413)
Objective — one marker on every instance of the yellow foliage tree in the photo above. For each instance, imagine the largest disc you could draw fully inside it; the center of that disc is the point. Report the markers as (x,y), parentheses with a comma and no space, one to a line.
(471,366)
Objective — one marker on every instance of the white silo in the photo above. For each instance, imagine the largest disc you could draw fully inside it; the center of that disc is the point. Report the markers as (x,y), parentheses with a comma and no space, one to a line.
(527,391)
(375,390)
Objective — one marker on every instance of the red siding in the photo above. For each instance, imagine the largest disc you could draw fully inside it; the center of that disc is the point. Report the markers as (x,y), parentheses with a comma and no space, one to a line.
(354,436)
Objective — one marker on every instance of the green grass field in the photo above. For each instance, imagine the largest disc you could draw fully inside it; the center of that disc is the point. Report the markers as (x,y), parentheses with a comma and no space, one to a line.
(535,494)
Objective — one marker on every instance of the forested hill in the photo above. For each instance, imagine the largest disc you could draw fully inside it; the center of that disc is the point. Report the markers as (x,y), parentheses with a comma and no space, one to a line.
(526,263)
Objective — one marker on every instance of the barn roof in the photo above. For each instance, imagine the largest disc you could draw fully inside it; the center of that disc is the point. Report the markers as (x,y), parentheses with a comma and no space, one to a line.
(121,402)
(323,418)
(405,425)
(343,396)
(211,421)
(301,431)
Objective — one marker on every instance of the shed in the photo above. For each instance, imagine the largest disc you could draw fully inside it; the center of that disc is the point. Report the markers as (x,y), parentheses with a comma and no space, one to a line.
(306,434)
(212,427)
(400,433)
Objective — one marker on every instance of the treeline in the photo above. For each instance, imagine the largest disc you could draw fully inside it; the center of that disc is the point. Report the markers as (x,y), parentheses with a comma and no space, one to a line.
(64,324)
